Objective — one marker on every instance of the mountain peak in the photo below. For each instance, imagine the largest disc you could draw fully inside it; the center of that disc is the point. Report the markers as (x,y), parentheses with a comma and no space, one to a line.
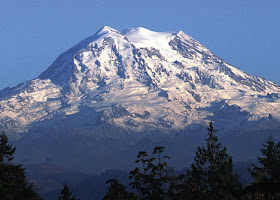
(141,31)
(105,30)
(142,37)
(138,30)
(181,34)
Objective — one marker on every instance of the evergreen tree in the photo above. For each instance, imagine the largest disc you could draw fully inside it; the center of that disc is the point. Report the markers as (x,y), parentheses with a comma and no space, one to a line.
(211,175)
(66,194)
(116,191)
(267,173)
(13,184)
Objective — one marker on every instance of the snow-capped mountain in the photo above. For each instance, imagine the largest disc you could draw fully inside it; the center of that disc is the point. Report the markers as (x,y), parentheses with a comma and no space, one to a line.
(138,82)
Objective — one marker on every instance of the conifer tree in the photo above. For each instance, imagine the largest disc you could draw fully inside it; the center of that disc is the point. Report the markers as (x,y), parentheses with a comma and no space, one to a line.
(66,194)
(211,175)
(13,184)
(266,174)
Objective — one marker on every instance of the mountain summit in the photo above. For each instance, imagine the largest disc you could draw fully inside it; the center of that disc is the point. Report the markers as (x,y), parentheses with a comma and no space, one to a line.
(138,82)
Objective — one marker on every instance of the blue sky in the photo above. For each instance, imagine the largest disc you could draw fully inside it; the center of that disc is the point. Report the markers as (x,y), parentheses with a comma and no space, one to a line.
(245,33)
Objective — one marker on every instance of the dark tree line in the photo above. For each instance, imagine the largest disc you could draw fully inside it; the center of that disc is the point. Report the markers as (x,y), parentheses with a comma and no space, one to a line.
(210,177)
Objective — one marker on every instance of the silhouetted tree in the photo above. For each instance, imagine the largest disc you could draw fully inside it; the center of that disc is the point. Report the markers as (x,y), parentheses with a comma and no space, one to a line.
(116,191)
(66,194)
(13,184)
(266,174)
(211,175)
(151,180)
(6,151)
